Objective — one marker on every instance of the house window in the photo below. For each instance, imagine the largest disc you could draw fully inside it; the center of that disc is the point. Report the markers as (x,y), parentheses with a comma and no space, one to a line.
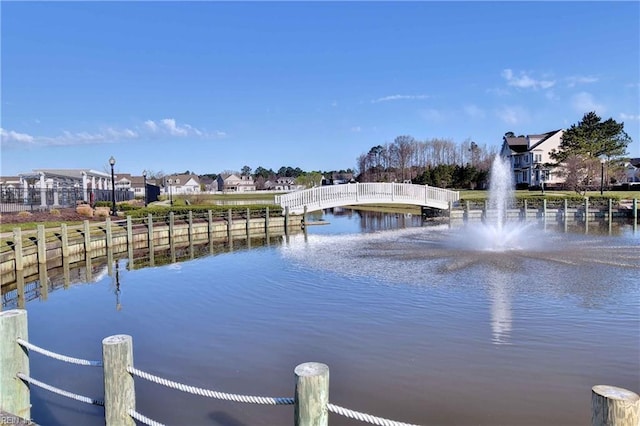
(525,176)
(537,158)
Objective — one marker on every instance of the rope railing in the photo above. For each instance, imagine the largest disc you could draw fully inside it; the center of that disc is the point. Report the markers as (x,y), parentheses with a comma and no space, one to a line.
(59,391)
(144,419)
(59,357)
(364,417)
(250,399)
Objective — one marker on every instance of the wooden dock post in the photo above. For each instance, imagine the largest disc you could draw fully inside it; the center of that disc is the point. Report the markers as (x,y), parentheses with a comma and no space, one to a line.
(312,394)
(286,221)
(635,214)
(172,242)
(566,215)
(17,248)
(42,246)
(119,390)
(613,406)
(466,211)
(190,226)
(14,393)
(87,239)
(64,240)
(304,216)
(524,208)
(108,232)
(210,229)
(150,232)
(248,224)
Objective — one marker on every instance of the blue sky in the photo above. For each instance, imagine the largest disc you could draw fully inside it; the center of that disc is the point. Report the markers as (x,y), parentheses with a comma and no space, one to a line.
(213,86)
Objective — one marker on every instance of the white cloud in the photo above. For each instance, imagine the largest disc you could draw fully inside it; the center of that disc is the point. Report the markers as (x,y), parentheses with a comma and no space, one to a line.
(398,98)
(513,115)
(630,117)
(580,79)
(524,81)
(584,102)
(10,136)
(474,111)
(167,127)
(356,129)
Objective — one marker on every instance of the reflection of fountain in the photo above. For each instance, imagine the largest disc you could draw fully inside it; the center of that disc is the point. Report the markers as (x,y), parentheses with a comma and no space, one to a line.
(500,308)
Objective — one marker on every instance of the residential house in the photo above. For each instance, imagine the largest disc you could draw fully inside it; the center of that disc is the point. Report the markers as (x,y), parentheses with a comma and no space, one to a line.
(180,184)
(338,179)
(234,183)
(137,185)
(209,184)
(632,171)
(529,157)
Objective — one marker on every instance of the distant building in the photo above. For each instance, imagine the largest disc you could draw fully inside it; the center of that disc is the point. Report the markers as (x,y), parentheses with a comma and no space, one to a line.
(235,183)
(181,184)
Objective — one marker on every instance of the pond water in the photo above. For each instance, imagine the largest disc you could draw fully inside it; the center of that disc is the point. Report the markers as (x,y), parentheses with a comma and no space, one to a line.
(415,324)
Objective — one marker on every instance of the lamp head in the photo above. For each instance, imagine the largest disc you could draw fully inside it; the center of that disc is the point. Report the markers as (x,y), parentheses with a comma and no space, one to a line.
(112,161)
(144,173)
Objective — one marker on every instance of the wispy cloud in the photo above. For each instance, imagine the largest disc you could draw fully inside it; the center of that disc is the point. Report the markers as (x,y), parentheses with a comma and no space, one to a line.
(432,115)
(398,98)
(524,81)
(630,117)
(513,115)
(167,127)
(356,129)
(474,111)
(585,102)
(580,79)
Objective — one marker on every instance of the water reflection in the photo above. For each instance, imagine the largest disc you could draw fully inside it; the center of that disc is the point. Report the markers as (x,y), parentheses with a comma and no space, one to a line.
(500,296)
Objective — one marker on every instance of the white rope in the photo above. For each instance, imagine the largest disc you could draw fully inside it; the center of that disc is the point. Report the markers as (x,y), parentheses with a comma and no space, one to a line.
(210,393)
(144,419)
(363,417)
(57,356)
(59,391)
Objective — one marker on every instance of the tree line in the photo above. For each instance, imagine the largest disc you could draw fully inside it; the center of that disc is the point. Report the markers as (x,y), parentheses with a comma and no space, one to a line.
(438,162)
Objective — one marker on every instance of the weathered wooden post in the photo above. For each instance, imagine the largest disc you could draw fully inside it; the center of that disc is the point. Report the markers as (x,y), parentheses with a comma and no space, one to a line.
(190,226)
(524,208)
(17,248)
(484,209)
(150,232)
(635,214)
(229,225)
(108,231)
(466,210)
(172,245)
(286,221)
(266,220)
(586,215)
(87,239)
(248,223)
(304,216)
(119,390)
(312,394)
(613,406)
(610,210)
(64,237)
(42,246)
(210,228)
(14,393)
(566,215)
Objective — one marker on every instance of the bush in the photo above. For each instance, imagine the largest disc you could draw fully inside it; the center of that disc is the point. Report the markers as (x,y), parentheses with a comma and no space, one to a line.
(25,213)
(102,204)
(54,212)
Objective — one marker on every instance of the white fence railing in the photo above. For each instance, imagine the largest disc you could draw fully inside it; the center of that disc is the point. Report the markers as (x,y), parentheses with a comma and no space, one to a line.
(366,193)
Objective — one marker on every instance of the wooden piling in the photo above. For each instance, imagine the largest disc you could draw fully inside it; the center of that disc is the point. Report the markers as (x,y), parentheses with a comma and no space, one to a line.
(248,223)
(610,210)
(150,233)
(130,242)
(43,278)
(613,406)
(119,390)
(87,239)
(524,207)
(14,393)
(17,248)
(42,246)
(635,214)
(311,395)
(286,221)
(229,225)
(566,215)
(190,226)
(64,239)
(109,242)
(210,228)
(172,242)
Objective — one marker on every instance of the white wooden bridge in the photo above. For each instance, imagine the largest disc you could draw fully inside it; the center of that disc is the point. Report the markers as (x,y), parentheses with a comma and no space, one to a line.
(325,197)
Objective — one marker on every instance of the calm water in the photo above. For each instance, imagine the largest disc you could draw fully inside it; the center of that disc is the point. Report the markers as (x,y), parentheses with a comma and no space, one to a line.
(416,324)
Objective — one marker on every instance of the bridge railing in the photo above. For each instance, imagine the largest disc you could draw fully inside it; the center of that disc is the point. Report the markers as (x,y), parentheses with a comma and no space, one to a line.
(370,192)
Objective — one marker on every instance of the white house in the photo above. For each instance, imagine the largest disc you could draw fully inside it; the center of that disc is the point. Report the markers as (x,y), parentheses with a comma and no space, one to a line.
(180,184)
(528,156)
(235,183)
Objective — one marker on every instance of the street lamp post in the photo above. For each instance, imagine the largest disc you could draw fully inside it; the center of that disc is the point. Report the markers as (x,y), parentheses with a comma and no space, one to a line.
(112,162)
(144,176)
(602,161)
(170,194)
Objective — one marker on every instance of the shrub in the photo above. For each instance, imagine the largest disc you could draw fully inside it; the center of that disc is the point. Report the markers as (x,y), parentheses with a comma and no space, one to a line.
(54,212)
(25,213)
